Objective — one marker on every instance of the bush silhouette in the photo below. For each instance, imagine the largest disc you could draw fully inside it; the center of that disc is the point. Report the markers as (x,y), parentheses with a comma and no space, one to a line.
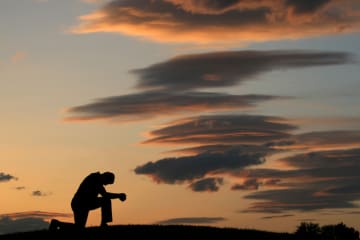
(339,232)
(308,231)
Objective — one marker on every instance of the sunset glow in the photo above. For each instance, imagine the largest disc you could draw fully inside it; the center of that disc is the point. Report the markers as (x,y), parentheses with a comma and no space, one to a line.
(234,113)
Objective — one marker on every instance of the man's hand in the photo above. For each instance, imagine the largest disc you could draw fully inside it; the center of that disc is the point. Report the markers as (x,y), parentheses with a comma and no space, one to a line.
(122,196)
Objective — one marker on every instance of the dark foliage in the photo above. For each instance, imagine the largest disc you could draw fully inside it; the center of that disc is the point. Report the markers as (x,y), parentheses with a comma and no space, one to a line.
(339,232)
(312,231)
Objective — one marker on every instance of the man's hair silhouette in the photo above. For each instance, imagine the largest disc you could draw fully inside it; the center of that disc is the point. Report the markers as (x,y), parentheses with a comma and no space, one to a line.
(87,198)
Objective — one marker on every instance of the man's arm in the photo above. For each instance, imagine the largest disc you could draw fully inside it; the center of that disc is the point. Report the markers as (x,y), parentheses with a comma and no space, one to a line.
(121,196)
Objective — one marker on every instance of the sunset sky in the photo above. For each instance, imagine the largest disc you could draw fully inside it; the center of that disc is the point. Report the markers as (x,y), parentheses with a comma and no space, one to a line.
(230,113)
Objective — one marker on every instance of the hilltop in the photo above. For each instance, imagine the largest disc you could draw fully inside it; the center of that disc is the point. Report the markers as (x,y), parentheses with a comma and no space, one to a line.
(173,232)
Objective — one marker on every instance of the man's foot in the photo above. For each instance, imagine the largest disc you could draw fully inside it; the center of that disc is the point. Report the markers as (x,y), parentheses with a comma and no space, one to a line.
(104,225)
(54,225)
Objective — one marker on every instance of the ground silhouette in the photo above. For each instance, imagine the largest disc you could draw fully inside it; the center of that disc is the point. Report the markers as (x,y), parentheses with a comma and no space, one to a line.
(173,232)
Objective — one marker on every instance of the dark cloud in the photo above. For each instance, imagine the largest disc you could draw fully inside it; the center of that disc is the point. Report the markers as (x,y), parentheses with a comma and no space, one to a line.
(249,184)
(223,129)
(26,221)
(189,168)
(306,6)
(206,185)
(203,21)
(8,225)
(192,220)
(4,177)
(38,193)
(151,104)
(321,180)
(220,69)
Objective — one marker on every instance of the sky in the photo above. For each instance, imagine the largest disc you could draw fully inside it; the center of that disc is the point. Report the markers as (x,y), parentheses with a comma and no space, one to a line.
(229,113)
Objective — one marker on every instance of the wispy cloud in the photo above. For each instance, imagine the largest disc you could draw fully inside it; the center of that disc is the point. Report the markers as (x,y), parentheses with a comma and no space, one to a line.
(249,184)
(230,129)
(192,220)
(206,21)
(5,177)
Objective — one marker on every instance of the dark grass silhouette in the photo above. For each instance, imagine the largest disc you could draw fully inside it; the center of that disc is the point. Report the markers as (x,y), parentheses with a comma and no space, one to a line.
(168,232)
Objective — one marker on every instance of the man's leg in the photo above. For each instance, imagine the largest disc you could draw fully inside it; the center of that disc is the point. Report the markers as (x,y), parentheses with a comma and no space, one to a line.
(106,211)
(56,225)
(80,218)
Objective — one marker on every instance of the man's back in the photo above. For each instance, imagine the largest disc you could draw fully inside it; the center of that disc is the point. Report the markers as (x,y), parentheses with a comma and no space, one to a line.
(90,187)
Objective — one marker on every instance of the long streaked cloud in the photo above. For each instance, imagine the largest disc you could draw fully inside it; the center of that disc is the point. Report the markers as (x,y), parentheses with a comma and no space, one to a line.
(152,104)
(27,221)
(277,216)
(206,21)
(170,84)
(5,177)
(220,129)
(335,159)
(221,69)
(191,220)
(320,140)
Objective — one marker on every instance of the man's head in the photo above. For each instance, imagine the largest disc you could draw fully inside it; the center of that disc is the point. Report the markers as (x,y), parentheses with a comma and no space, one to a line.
(108,178)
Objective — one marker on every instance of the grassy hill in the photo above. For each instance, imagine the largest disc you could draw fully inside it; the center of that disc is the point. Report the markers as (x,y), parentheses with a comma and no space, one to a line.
(169,232)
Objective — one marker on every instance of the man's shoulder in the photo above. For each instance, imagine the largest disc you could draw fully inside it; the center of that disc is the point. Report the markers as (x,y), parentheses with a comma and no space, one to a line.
(93,176)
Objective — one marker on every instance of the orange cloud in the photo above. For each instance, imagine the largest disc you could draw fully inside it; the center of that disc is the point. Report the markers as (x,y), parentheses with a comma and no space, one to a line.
(18,56)
(35,214)
(223,21)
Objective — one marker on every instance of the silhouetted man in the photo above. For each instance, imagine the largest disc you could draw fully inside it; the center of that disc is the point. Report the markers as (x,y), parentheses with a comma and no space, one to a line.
(87,198)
